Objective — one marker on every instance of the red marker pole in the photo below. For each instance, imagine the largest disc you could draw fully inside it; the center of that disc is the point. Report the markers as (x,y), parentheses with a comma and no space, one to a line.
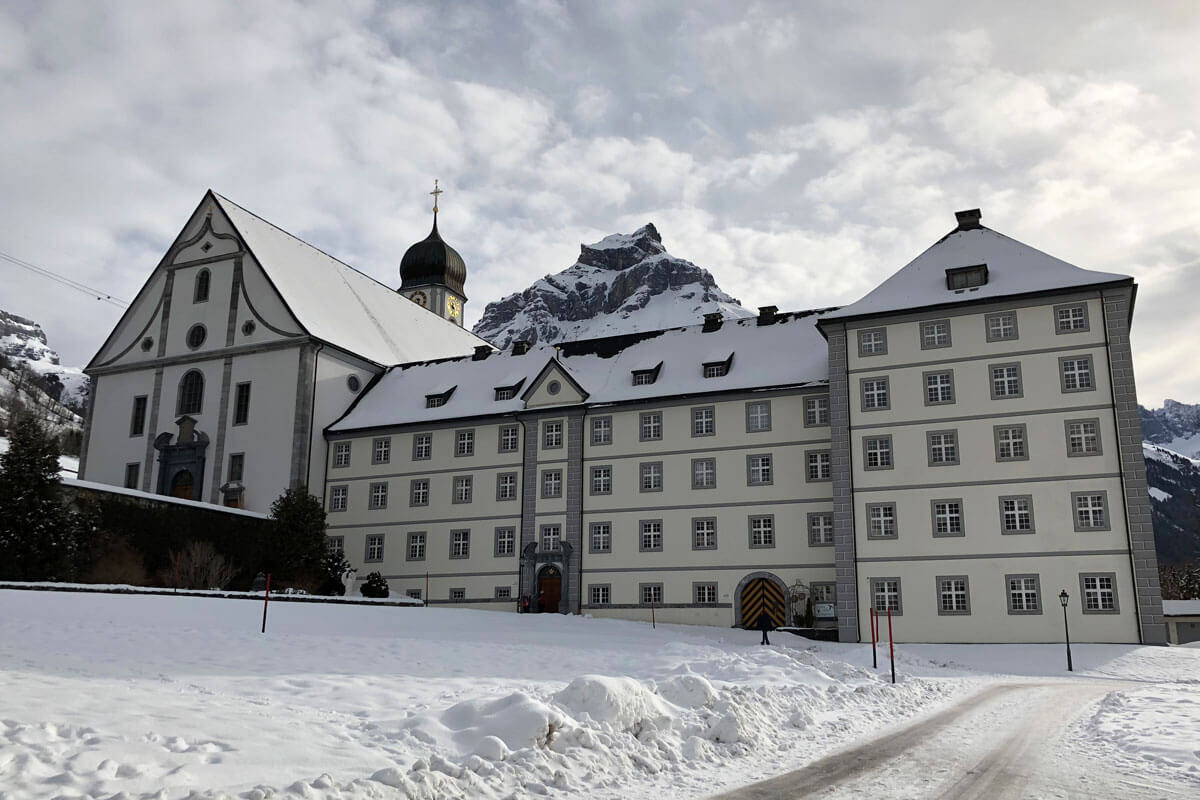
(266,599)
(874,647)
(891,646)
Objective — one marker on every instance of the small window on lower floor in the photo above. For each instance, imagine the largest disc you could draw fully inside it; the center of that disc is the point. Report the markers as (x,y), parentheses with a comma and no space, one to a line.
(503,592)
(132,472)
(704,593)
(458,594)
(599,594)
(415,594)
(651,593)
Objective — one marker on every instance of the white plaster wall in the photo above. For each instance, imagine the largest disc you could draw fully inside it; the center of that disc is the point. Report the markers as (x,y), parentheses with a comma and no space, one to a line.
(269,310)
(213,314)
(331,398)
(142,319)
(110,446)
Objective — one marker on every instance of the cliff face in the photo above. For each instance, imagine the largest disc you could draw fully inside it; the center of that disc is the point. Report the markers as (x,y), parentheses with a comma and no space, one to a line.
(621,284)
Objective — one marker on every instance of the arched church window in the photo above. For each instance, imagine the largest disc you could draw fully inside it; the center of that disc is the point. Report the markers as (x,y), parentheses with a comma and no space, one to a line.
(202,281)
(191,392)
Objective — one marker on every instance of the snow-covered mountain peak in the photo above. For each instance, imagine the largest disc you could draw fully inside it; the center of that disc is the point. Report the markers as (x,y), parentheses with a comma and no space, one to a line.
(619,251)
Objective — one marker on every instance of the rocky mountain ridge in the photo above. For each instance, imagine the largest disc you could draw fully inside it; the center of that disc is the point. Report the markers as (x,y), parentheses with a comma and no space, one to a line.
(24,343)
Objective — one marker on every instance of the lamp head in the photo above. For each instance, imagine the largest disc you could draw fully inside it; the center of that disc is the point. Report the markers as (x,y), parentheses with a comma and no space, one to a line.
(1063,597)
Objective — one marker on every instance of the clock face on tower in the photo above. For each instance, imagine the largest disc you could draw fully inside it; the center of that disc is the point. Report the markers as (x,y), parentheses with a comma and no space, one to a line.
(453,307)
(420,299)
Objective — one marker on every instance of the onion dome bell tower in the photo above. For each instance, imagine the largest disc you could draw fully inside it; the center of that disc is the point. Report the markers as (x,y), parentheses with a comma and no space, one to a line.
(432,273)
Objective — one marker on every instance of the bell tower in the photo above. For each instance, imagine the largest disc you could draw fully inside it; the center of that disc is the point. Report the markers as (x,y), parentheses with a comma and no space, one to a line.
(432,273)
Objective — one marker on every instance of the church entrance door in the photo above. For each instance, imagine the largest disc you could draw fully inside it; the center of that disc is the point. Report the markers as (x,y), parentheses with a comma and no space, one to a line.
(549,590)
(183,484)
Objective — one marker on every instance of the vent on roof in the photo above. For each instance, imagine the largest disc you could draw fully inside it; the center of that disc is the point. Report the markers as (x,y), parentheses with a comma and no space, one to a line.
(969,219)
(520,347)
(959,278)
(645,377)
(439,400)
(712,321)
(767,314)
(482,351)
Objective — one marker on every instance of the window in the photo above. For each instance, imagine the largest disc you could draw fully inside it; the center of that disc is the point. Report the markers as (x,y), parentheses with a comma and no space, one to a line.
(379,495)
(872,342)
(505,393)
(1024,594)
(602,480)
(1016,514)
(953,597)
(1099,591)
(885,595)
(943,448)
(416,547)
(341,454)
(758,416)
(704,593)
(935,333)
(651,535)
(874,394)
(651,426)
(510,438)
(506,486)
(652,478)
(715,370)
(1083,437)
(551,538)
(816,411)
(200,290)
(137,420)
(651,593)
(435,400)
(881,521)
(958,278)
(191,392)
(644,377)
(506,541)
(132,473)
(458,595)
(1091,510)
(818,466)
(241,404)
(939,388)
(1071,318)
(460,544)
(463,488)
(339,498)
(552,435)
(823,592)
(704,473)
(820,529)
(1001,327)
(422,446)
(464,443)
(1076,373)
(704,533)
(196,336)
(704,421)
(503,592)
(762,531)
(947,517)
(600,537)
(375,547)
(602,430)
(877,452)
(415,594)
(335,545)
(381,450)
(1010,443)
(552,483)
(758,470)
(237,467)
(418,492)
(599,594)
(1006,380)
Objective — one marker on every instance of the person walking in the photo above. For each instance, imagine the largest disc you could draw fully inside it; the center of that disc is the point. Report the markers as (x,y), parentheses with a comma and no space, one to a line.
(763,623)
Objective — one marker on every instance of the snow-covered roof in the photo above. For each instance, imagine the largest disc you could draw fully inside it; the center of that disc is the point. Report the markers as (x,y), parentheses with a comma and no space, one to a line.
(789,352)
(1181,608)
(338,304)
(1013,268)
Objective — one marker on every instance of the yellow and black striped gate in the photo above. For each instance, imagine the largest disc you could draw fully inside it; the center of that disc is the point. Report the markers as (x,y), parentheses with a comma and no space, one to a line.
(758,595)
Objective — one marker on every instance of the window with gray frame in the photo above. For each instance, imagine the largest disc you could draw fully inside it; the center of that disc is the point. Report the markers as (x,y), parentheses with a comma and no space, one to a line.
(503,593)
(378,496)
(704,473)
(877,452)
(415,594)
(552,434)
(241,404)
(1091,511)
(601,430)
(651,535)
(651,593)
(942,447)
(762,531)
(132,474)
(137,419)
(551,538)
(602,479)
(935,333)
(463,488)
(939,387)
(881,521)
(460,544)
(651,476)
(1083,437)
(335,545)
(885,596)
(947,517)
(237,467)
(1011,442)
(381,450)
(339,498)
(599,594)
(704,421)
(505,542)
(200,287)
(422,446)
(506,486)
(1005,380)
(551,483)
(758,470)
(650,429)
(1071,318)
(820,529)
(416,546)
(191,393)
(818,466)
(1016,513)
(816,411)
(872,342)
(758,416)
(1001,326)
(704,594)
(341,454)
(1075,374)
(418,492)
(954,595)
(458,595)
(464,443)
(1024,593)
(875,395)
(704,533)
(374,548)
(823,592)
(510,438)
(1099,592)
(600,537)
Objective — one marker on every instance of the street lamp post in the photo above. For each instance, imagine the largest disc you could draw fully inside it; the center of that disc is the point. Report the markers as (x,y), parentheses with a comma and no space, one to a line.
(1063,597)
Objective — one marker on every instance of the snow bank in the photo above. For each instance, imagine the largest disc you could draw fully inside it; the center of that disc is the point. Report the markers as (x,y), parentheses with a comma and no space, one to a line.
(1147,731)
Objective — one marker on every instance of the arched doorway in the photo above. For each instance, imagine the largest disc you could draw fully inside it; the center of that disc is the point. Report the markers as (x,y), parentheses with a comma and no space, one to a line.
(758,593)
(183,485)
(549,584)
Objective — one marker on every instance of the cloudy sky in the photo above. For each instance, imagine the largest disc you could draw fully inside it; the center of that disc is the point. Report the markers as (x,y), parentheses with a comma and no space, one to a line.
(801,152)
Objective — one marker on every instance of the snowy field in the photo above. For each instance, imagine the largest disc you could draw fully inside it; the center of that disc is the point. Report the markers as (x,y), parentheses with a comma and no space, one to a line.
(105,696)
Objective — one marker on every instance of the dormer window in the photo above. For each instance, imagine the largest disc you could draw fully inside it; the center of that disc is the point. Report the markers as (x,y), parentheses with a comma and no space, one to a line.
(506,393)
(439,400)
(645,377)
(959,278)
(717,369)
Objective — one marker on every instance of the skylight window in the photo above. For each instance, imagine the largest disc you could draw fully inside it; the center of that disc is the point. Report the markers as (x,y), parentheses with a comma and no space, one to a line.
(959,278)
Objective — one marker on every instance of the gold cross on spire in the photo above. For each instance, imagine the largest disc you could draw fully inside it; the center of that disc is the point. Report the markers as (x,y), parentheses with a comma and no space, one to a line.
(436,191)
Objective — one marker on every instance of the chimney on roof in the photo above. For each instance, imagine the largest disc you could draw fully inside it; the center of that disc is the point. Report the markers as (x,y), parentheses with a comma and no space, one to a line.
(520,347)
(482,351)
(766,314)
(712,321)
(969,219)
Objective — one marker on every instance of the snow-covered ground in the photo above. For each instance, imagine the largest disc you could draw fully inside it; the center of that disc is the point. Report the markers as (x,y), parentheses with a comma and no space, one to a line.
(68,466)
(173,697)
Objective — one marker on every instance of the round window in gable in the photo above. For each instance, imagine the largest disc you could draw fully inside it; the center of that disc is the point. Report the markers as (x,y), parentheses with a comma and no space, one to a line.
(248,327)
(196,336)
(147,343)
(353,384)
(553,387)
